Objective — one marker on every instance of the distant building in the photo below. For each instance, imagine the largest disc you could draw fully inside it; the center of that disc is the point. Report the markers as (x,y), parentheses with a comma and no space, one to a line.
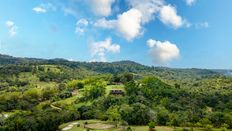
(117,83)
(116,92)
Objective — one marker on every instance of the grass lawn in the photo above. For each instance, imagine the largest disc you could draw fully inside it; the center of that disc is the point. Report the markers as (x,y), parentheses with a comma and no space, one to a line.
(7,114)
(71,100)
(68,101)
(134,128)
(46,84)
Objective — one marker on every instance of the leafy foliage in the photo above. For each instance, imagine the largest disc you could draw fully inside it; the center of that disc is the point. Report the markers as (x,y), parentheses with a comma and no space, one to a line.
(41,94)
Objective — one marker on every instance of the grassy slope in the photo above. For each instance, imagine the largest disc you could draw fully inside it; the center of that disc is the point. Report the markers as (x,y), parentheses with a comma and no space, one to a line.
(72,99)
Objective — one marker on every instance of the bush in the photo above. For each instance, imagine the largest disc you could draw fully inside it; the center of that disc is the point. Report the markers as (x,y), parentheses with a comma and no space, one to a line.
(198,124)
(80,85)
(225,125)
(208,127)
(151,124)
(48,120)
(185,129)
(128,129)
(224,129)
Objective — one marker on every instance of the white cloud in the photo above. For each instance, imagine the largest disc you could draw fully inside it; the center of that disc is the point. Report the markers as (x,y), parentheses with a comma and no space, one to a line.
(168,15)
(81,25)
(129,24)
(12,28)
(148,8)
(43,8)
(101,7)
(151,43)
(163,52)
(107,24)
(99,49)
(190,2)
(39,10)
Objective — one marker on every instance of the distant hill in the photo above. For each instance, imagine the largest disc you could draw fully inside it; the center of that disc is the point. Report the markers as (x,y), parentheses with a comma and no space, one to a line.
(225,72)
(119,67)
(6,59)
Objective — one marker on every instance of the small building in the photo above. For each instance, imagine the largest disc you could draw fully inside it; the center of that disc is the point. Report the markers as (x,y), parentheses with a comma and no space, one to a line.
(116,92)
(117,83)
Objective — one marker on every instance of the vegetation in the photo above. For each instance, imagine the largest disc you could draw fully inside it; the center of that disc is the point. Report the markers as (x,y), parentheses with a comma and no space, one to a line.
(37,94)
(151,125)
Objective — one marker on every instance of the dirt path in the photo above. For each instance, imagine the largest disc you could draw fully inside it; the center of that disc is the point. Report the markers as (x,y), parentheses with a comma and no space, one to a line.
(54,107)
(70,126)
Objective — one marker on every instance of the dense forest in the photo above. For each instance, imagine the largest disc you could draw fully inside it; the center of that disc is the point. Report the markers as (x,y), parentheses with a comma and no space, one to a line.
(40,94)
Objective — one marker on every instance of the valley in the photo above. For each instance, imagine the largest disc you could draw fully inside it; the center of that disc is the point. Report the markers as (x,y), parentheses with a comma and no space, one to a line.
(44,94)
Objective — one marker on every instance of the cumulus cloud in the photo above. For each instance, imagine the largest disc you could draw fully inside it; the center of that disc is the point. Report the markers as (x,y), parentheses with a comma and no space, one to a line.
(190,2)
(101,7)
(163,52)
(12,28)
(130,23)
(168,15)
(81,25)
(101,48)
(127,24)
(148,8)
(39,10)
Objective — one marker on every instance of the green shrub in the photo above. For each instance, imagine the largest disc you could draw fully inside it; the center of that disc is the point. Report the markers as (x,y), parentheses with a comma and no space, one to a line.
(128,129)
(225,125)
(224,129)
(80,85)
(198,124)
(185,129)
(208,127)
(151,124)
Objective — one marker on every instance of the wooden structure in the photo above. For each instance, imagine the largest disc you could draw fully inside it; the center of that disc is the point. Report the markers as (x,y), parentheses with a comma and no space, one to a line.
(116,92)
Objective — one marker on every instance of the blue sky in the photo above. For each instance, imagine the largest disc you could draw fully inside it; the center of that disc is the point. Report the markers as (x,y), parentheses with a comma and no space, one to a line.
(180,33)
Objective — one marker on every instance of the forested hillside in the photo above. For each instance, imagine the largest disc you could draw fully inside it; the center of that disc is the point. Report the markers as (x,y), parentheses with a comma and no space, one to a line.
(39,94)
